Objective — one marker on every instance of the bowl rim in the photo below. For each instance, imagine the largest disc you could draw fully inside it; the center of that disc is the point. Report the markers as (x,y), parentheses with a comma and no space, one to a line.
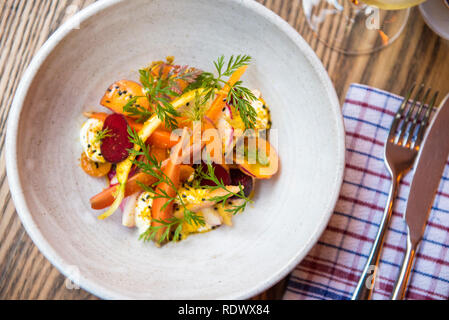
(12,132)
(431,23)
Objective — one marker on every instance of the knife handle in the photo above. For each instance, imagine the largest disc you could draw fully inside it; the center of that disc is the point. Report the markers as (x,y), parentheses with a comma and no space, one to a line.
(400,287)
(365,286)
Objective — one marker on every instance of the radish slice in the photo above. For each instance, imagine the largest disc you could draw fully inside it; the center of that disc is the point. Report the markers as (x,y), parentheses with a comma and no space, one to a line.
(226,132)
(129,206)
(246,171)
(228,111)
(123,204)
(115,145)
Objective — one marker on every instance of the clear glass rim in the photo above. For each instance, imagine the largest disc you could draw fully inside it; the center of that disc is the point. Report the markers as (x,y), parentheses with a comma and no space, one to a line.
(362,51)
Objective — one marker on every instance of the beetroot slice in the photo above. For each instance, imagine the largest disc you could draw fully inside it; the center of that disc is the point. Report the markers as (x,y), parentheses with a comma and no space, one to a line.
(220,173)
(245,180)
(115,145)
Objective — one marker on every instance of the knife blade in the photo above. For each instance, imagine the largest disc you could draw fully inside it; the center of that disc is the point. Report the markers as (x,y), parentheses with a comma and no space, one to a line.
(430,163)
(431,160)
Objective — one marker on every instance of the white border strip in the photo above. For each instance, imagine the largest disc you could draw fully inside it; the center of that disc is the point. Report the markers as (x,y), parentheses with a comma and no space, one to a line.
(13,123)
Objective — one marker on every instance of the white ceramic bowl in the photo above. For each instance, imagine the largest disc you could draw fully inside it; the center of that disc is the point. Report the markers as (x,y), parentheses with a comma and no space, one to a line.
(436,14)
(114,39)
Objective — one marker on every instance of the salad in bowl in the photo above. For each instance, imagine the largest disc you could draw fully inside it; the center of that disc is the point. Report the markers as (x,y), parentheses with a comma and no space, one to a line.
(181,149)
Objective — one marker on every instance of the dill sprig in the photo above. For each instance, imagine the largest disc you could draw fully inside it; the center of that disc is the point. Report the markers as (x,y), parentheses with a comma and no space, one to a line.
(210,175)
(102,134)
(233,64)
(158,91)
(135,110)
(169,224)
(161,89)
(154,168)
(239,96)
(196,109)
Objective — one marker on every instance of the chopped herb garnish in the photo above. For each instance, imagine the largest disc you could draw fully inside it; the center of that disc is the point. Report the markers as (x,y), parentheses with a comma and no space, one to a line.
(159,91)
(102,134)
(196,110)
(239,96)
(152,167)
(137,111)
(200,174)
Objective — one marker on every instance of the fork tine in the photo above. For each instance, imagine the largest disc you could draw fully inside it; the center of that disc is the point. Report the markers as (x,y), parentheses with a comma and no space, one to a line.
(425,122)
(399,114)
(416,117)
(406,122)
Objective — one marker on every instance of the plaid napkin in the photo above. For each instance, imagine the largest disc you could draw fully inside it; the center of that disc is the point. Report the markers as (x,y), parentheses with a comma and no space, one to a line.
(333,267)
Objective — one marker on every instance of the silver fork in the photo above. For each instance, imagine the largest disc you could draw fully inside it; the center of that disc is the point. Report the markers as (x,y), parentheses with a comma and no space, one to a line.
(400,153)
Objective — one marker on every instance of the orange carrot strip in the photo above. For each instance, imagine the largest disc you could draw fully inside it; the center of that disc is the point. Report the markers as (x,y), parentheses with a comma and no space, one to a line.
(214,111)
(159,153)
(156,71)
(211,117)
(162,209)
(235,77)
(181,121)
(216,108)
(105,198)
(92,168)
(119,93)
(161,138)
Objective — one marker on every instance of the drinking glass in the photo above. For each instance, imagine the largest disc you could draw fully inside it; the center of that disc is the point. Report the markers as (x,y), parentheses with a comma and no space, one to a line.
(355,27)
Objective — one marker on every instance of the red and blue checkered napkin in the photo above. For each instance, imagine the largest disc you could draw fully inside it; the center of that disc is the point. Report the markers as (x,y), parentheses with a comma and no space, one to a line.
(332,268)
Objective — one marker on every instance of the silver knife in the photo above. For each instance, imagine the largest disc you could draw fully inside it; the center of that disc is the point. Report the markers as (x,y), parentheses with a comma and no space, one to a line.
(427,175)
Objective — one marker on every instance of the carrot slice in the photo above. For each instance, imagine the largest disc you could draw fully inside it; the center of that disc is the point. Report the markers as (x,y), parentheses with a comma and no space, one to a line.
(186,172)
(105,198)
(162,209)
(124,167)
(181,121)
(166,68)
(153,123)
(162,139)
(119,93)
(266,170)
(215,110)
(94,169)
(159,153)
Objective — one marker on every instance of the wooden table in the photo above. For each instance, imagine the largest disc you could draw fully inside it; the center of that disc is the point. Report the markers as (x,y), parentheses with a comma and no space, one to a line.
(417,56)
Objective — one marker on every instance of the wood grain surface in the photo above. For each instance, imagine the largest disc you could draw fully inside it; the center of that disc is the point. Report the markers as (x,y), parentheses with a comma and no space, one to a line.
(417,56)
